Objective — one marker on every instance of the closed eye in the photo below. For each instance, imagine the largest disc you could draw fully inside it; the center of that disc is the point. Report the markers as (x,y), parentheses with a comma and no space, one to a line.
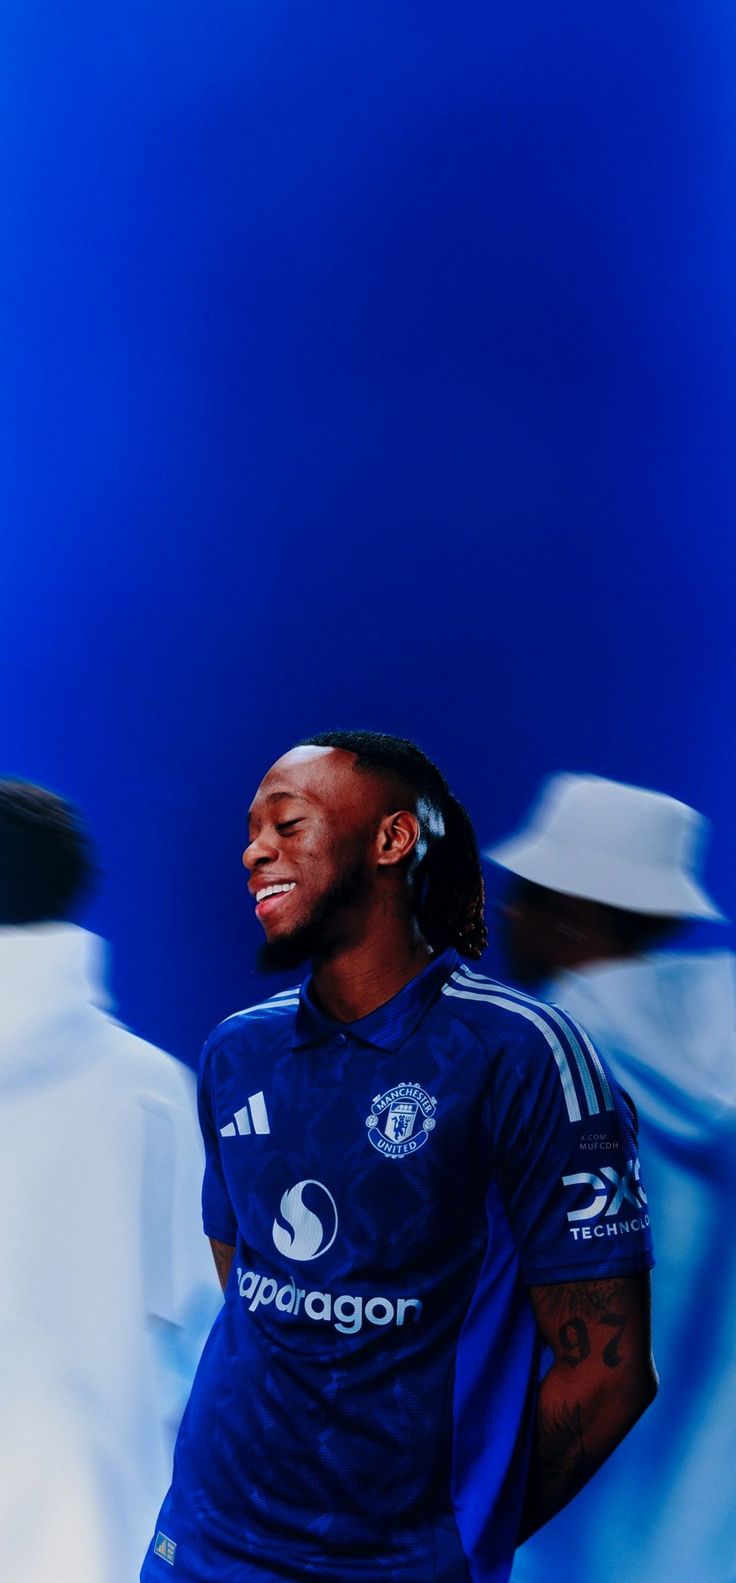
(287,824)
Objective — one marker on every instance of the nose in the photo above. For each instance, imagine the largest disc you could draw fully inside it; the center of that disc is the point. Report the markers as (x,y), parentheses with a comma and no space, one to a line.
(259,850)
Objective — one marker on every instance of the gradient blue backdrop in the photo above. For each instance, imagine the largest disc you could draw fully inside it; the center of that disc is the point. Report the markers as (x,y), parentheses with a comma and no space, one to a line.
(363,364)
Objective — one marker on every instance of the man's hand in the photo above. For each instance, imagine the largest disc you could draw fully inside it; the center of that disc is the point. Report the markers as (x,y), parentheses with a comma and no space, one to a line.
(600,1382)
(223,1255)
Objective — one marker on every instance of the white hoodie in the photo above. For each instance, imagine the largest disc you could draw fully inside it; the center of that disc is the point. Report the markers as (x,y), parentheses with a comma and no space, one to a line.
(108,1287)
(663,1509)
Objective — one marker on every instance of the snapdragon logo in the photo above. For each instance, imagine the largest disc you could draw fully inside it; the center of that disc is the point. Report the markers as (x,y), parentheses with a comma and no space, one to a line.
(306,1226)
(306,1233)
(347,1313)
(612,1190)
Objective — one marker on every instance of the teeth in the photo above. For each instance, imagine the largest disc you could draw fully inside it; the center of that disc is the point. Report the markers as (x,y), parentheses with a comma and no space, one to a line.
(273,890)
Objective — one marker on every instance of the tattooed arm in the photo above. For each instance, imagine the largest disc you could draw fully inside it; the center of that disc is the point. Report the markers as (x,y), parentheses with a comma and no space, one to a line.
(601,1380)
(223,1255)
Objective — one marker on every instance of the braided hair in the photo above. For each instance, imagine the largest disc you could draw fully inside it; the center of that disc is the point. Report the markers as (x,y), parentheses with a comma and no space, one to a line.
(448,878)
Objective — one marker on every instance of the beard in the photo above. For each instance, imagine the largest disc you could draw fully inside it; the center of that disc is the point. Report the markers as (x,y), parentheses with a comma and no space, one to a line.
(320,934)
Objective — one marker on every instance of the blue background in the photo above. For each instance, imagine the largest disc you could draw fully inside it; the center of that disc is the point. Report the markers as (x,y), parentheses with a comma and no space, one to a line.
(364,364)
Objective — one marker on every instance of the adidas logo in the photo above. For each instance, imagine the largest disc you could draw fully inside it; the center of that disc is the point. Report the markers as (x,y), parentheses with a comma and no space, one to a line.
(252,1117)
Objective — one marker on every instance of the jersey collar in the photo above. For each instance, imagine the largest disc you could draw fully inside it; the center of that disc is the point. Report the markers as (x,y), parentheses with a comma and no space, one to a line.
(390,1024)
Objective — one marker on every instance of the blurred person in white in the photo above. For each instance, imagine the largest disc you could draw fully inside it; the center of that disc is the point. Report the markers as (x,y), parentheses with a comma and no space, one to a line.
(107,1291)
(605,877)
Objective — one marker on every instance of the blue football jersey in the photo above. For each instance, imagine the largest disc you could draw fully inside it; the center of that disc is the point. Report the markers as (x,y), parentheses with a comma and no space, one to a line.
(364,1405)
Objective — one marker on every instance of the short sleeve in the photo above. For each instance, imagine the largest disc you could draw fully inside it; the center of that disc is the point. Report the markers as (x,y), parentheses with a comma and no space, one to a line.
(218,1215)
(566,1154)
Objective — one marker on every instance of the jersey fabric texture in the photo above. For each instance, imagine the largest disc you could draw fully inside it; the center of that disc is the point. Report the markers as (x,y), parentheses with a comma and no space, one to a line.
(365,1401)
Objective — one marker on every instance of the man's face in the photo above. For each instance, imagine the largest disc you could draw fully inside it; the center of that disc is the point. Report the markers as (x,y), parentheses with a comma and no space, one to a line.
(527,931)
(311,827)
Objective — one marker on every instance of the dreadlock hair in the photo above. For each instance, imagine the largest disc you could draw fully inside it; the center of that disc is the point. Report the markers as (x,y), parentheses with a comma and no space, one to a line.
(448,878)
(46,859)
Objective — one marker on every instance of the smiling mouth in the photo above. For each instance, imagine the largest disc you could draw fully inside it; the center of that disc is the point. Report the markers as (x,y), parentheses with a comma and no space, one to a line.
(271,897)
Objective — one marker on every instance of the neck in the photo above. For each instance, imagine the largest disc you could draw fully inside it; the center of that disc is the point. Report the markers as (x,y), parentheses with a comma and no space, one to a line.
(366,973)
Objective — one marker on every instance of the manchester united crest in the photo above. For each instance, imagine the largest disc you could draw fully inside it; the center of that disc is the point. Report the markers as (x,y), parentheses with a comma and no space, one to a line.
(401,1120)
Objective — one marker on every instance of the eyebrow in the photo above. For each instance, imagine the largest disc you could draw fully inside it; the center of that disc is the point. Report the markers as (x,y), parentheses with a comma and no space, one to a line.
(277,796)
(284,796)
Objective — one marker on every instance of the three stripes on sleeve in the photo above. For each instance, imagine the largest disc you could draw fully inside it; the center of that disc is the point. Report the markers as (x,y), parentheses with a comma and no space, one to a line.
(584,1082)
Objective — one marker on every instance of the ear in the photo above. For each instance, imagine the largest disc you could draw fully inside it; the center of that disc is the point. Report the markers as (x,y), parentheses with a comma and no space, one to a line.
(397,837)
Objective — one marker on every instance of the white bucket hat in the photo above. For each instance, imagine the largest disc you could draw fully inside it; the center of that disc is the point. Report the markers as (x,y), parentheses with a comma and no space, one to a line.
(618,844)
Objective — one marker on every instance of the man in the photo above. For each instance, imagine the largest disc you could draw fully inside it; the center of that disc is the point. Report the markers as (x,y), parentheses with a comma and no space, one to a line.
(393,1161)
(604,878)
(105,1298)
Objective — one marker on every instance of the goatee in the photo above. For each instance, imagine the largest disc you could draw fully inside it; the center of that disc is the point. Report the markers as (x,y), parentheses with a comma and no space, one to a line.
(318,935)
(281,955)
